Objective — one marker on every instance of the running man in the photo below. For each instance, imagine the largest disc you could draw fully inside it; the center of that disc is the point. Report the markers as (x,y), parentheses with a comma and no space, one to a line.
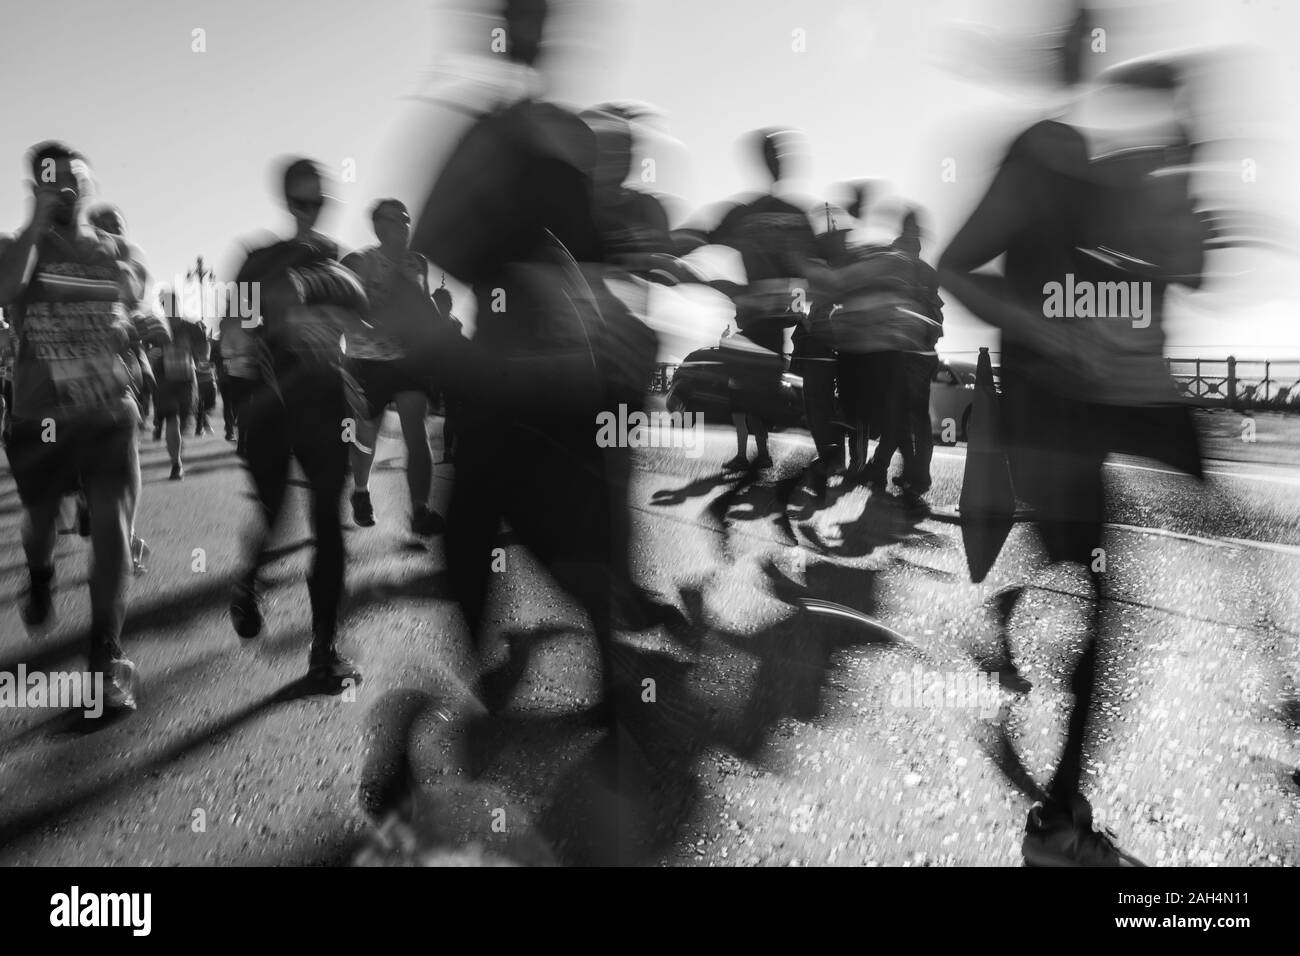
(775,240)
(205,377)
(379,362)
(906,426)
(237,375)
(74,421)
(146,332)
(300,409)
(176,364)
(1076,200)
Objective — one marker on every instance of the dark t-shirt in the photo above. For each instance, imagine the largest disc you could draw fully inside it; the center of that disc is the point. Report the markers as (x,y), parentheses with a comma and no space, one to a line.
(517,175)
(774,238)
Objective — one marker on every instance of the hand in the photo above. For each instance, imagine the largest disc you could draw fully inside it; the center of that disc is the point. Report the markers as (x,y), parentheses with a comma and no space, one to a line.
(48,197)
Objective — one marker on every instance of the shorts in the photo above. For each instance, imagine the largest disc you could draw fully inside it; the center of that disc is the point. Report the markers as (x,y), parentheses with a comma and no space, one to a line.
(207,396)
(1057,447)
(381,381)
(80,455)
(175,398)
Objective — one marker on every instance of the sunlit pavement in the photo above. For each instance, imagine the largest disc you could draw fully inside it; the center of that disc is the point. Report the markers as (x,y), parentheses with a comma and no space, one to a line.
(780,731)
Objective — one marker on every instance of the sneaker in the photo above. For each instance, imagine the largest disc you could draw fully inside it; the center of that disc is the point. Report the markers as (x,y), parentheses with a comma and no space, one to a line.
(139,553)
(119,678)
(120,685)
(739,463)
(1061,839)
(230,435)
(426,523)
(330,669)
(363,512)
(245,614)
(763,461)
(178,472)
(38,603)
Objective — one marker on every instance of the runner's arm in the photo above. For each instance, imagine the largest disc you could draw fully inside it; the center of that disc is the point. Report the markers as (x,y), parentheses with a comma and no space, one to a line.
(17,263)
(997,220)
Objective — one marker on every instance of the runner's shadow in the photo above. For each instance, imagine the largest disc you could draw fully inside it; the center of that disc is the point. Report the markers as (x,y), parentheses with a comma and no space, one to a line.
(80,794)
(666,497)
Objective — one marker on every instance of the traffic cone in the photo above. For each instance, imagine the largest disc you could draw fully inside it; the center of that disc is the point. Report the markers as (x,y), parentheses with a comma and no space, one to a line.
(988,501)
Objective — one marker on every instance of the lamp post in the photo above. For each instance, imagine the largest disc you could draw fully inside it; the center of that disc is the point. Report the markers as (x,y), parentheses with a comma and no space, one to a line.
(200,275)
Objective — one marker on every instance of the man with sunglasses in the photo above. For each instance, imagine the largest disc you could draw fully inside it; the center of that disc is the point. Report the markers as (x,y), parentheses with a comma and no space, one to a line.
(379,361)
(70,288)
(301,408)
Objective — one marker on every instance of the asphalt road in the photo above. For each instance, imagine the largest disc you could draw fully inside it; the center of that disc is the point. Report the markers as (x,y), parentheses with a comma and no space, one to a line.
(758,730)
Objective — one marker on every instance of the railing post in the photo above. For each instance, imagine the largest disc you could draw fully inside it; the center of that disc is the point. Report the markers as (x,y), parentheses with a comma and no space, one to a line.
(1232,381)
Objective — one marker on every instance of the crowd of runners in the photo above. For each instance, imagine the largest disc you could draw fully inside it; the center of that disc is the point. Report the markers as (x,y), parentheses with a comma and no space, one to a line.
(533,213)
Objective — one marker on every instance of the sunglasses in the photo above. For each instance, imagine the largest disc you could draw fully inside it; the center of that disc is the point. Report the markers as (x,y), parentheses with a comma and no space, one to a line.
(298,203)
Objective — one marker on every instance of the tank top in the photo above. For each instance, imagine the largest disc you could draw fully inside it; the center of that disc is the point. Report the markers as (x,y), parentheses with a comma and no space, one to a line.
(73,333)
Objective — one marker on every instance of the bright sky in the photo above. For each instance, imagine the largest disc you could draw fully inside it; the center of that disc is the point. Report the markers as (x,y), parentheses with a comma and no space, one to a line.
(185,141)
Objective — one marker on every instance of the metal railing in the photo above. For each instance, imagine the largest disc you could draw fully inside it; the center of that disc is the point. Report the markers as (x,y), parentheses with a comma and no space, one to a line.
(1239,383)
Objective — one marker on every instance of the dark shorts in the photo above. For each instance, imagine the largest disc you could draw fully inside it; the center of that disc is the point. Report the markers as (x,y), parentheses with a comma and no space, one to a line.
(207,396)
(382,381)
(79,455)
(175,398)
(1057,448)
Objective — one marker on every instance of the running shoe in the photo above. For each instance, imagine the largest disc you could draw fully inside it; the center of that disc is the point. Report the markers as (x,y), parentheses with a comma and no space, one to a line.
(139,553)
(1059,838)
(363,512)
(38,603)
(329,669)
(426,523)
(245,614)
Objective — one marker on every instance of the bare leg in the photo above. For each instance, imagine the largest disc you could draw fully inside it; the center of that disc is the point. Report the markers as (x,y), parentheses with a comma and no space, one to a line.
(412,407)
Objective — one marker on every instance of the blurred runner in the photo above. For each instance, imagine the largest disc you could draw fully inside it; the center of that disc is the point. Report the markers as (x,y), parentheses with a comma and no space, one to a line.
(206,381)
(775,240)
(74,420)
(511,216)
(378,360)
(147,332)
(1093,203)
(906,413)
(176,368)
(236,366)
(301,409)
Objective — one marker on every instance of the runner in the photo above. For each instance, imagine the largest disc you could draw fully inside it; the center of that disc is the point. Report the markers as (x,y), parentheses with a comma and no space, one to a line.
(74,421)
(918,320)
(776,241)
(511,216)
(379,362)
(205,377)
(300,408)
(1089,202)
(450,403)
(236,365)
(176,365)
(146,332)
